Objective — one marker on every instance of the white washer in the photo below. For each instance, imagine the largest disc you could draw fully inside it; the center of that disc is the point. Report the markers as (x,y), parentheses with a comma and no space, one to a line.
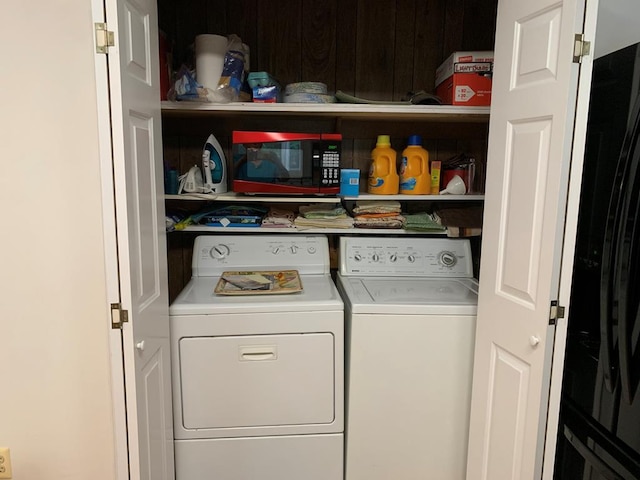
(258,381)
(410,312)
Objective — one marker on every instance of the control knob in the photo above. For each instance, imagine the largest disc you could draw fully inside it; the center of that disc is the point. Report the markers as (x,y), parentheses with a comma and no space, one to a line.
(448,259)
(219,251)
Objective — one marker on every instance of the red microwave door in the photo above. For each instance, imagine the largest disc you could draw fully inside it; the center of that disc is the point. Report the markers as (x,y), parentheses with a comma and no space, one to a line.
(244,186)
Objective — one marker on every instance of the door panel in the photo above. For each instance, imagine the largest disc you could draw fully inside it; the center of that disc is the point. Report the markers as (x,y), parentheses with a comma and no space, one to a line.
(508,399)
(138,180)
(532,115)
(153,426)
(536,47)
(525,164)
(268,380)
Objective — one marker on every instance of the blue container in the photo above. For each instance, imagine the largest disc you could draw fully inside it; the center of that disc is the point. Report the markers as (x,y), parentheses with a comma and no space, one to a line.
(349,182)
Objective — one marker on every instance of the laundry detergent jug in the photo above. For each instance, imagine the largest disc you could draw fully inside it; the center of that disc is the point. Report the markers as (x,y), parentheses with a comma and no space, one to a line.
(383,174)
(415,178)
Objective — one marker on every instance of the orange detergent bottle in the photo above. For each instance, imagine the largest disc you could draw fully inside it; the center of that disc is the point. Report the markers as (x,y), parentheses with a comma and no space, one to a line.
(383,174)
(415,178)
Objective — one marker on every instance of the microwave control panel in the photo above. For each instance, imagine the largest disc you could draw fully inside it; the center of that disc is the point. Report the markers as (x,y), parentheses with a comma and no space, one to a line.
(329,156)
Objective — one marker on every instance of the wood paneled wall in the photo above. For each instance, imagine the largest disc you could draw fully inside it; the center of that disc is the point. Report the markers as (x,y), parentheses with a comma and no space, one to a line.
(378,50)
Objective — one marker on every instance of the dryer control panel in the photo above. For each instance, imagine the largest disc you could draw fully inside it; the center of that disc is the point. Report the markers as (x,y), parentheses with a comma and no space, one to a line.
(214,254)
(406,257)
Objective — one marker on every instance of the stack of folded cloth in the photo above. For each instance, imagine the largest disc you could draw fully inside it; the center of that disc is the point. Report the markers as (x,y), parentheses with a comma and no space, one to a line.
(377,214)
(279,218)
(323,215)
(423,222)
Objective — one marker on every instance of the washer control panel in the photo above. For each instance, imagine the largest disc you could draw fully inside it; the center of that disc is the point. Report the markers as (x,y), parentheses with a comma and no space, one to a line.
(214,254)
(423,257)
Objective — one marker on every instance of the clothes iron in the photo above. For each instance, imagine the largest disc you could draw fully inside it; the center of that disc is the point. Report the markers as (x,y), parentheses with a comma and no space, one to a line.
(214,167)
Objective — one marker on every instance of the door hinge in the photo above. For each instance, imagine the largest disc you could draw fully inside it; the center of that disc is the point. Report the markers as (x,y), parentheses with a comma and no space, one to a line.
(581,48)
(118,316)
(555,312)
(104,38)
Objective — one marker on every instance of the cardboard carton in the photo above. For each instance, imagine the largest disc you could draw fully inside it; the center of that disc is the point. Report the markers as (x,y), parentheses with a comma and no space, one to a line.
(465,78)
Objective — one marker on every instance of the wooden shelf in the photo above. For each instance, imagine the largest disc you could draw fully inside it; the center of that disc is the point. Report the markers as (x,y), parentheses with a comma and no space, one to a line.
(439,113)
(424,198)
(235,197)
(340,231)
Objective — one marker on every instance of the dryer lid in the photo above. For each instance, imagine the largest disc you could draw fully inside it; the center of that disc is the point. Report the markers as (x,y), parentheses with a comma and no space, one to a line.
(197,298)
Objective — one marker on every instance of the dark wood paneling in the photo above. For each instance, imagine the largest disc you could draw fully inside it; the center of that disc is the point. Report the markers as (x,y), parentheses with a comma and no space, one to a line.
(453,24)
(375,49)
(405,15)
(319,42)
(427,44)
(379,50)
(346,36)
(479,25)
(242,20)
(280,39)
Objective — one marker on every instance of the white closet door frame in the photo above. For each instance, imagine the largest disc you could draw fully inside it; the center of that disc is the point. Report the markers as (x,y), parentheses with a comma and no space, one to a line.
(571,226)
(111,253)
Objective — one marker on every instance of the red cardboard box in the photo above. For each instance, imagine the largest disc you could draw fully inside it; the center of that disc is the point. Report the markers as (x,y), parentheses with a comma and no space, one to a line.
(465,78)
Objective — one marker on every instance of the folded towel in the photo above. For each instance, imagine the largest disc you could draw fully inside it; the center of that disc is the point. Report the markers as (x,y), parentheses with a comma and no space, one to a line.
(322,210)
(395,221)
(376,206)
(423,222)
(279,218)
(302,222)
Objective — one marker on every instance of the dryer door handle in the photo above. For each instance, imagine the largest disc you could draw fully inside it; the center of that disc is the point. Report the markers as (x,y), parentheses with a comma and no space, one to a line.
(258,353)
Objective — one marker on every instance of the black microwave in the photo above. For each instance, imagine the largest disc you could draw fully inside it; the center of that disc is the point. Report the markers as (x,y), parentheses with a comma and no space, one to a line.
(286,163)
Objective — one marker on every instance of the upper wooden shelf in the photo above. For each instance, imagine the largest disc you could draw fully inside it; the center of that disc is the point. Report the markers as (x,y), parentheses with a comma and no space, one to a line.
(440,113)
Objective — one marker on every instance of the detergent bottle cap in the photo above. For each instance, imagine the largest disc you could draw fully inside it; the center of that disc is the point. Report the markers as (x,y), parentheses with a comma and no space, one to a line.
(383,141)
(415,140)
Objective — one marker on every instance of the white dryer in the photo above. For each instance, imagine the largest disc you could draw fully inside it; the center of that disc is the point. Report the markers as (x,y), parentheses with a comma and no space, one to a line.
(258,382)
(410,310)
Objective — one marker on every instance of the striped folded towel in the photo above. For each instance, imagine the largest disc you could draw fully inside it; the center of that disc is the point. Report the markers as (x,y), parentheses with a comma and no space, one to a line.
(423,222)
(376,206)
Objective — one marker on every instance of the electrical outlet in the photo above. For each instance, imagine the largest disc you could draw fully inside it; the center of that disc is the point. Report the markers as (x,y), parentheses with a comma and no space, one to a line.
(5,463)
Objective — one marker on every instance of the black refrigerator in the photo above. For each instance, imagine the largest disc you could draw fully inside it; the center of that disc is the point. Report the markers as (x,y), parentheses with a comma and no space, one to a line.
(599,430)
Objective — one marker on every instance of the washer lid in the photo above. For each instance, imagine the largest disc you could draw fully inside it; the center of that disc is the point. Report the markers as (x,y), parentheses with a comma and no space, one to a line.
(415,295)
(197,298)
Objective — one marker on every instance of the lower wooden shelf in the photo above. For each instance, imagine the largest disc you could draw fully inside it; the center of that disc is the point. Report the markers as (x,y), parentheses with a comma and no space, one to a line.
(333,231)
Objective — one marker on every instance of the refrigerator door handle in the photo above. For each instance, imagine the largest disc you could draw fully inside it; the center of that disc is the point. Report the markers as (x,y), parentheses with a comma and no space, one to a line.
(590,456)
(606,311)
(624,266)
(608,274)
(628,307)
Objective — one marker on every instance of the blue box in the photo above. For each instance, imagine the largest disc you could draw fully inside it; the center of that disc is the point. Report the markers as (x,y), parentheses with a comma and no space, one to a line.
(349,182)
